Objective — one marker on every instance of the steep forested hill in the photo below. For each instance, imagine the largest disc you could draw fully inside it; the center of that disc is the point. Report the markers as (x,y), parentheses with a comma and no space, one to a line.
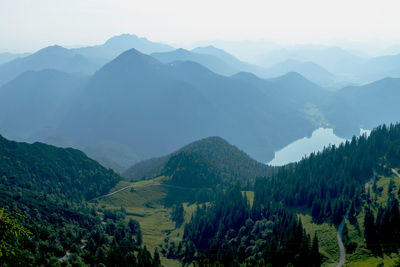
(230,161)
(66,173)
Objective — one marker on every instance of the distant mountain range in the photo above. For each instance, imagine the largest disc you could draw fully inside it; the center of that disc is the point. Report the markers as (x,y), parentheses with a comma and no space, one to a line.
(364,106)
(223,63)
(156,108)
(137,107)
(336,60)
(52,57)
(309,70)
(212,62)
(345,66)
(34,103)
(118,44)
(6,57)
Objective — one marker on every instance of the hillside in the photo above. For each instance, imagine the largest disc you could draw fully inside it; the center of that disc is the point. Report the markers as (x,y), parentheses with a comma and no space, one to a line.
(325,186)
(218,153)
(44,189)
(35,102)
(66,173)
(364,106)
(6,57)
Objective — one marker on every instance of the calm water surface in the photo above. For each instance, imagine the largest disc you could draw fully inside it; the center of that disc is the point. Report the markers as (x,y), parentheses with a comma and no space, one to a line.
(300,148)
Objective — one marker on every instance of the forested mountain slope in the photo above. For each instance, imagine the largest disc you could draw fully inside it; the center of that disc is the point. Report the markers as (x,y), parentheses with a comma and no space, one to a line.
(46,189)
(227,159)
(328,184)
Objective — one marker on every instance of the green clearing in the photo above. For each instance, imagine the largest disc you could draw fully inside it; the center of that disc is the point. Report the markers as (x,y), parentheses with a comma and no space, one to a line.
(327,234)
(327,237)
(145,205)
(362,256)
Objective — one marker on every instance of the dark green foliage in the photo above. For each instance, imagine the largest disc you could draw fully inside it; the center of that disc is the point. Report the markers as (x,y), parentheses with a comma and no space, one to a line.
(191,170)
(231,162)
(328,181)
(48,186)
(10,232)
(46,172)
(226,234)
(178,214)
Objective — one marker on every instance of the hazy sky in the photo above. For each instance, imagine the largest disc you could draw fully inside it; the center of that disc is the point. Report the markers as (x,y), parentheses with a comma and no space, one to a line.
(32,24)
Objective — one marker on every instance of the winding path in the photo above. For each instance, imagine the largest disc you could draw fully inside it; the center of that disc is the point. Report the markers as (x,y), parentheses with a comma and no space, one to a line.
(146,185)
(342,259)
(396,173)
(342,250)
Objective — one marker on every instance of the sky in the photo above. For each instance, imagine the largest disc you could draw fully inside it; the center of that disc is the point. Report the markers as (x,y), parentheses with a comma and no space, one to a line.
(28,25)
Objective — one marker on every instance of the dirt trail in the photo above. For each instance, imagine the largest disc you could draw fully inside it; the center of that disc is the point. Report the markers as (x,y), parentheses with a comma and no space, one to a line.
(138,186)
(342,250)
(396,173)
(342,259)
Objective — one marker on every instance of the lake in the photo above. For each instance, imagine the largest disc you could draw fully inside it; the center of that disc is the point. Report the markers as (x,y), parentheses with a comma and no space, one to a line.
(300,148)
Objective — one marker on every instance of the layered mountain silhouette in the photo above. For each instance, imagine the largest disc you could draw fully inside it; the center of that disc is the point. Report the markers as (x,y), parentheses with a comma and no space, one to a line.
(334,59)
(52,57)
(155,108)
(137,107)
(378,68)
(309,70)
(6,57)
(366,106)
(120,43)
(212,62)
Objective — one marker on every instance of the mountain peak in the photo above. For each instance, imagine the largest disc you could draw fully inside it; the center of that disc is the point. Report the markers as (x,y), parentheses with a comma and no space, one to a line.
(52,49)
(122,38)
(134,56)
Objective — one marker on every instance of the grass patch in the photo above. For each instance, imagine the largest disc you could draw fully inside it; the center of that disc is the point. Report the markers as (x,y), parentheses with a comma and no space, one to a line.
(327,237)
(145,205)
(250,196)
(369,261)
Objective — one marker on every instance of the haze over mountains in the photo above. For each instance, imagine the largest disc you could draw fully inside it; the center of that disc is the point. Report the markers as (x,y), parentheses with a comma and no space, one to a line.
(151,105)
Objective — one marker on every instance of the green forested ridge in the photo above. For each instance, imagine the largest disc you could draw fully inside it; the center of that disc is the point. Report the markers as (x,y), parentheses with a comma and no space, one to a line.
(201,167)
(191,170)
(48,188)
(46,171)
(227,159)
